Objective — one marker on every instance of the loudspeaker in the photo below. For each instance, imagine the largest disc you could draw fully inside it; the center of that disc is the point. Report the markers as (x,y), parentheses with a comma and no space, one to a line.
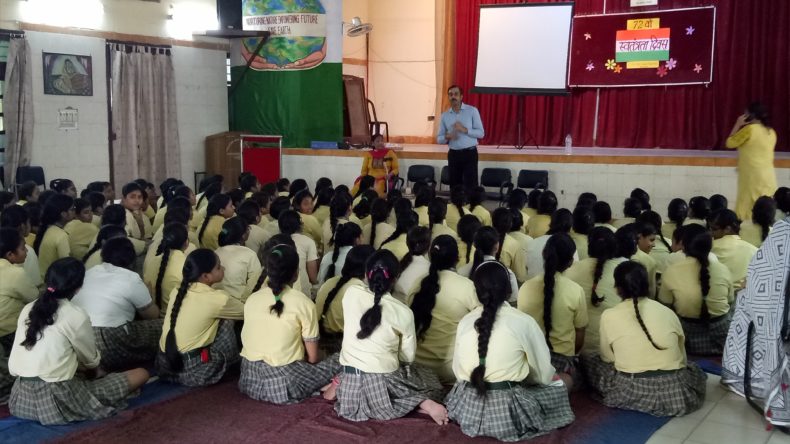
(229,14)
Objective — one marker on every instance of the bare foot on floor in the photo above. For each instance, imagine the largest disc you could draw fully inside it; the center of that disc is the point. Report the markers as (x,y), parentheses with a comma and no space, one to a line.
(329,391)
(435,410)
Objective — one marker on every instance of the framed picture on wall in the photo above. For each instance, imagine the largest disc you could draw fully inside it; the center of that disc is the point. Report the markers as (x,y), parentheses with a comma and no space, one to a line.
(68,74)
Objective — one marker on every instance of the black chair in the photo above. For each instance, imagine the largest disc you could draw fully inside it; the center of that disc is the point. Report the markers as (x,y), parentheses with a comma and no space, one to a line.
(497,178)
(421,173)
(28,173)
(444,177)
(533,179)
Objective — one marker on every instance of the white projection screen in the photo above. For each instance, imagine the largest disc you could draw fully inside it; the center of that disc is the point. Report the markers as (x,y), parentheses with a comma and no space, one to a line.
(523,48)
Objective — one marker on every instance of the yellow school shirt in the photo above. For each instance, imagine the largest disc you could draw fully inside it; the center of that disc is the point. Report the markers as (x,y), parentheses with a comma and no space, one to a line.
(326,233)
(660,253)
(93,260)
(159,219)
(582,244)
(210,237)
(80,236)
(30,239)
(272,229)
(198,216)
(241,268)
(514,257)
(442,229)
(174,272)
(538,225)
(16,291)
(133,228)
(692,220)
(397,246)
(312,229)
(517,350)
(582,273)
(278,340)
(668,229)
(201,310)
(617,223)
(680,289)
(625,344)
(453,216)
(462,250)
(54,246)
(736,254)
(383,231)
(752,233)
(456,298)
(256,239)
(522,238)
(568,310)
(321,214)
(524,220)
(422,214)
(333,318)
(391,343)
(483,215)
(96,220)
(650,265)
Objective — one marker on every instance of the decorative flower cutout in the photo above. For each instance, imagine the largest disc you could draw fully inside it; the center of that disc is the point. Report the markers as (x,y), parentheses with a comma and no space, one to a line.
(610,64)
(690,30)
(671,64)
(697,68)
(617,69)
(590,66)
(662,71)
(587,36)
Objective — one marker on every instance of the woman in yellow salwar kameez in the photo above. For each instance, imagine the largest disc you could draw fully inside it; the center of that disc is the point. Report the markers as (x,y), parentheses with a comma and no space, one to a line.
(755,141)
(382,164)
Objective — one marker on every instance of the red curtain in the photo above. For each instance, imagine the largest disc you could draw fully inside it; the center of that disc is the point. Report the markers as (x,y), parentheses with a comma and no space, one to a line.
(751,62)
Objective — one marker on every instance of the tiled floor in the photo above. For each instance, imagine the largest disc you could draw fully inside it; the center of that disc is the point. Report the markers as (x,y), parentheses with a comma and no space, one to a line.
(725,418)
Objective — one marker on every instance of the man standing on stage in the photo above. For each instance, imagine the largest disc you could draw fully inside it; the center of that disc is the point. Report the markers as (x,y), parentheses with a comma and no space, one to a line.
(460,128)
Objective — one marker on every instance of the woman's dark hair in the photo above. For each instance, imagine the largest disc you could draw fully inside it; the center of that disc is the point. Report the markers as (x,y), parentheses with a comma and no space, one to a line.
(276,240)
(643,198)
(362,209)
(217,203)
(718,202)
(282,184)
(297,186)
(114,214)
(444,256)
(602,212)
(33,210)
(437,212)
(248,182)
(354,267)
(119,251)
(210,191)
(763,214)
(518,220)
(279,205)
(418,240)
(338,209)
(627,240)
(282,266)
(782,198)
(654,219)
(64,277)
(468,226)
(382,270)
(174,237)
(179,215)
(547,203)
(689,232)
(476,197)
(249,211)
(130,188)
(561,222)
(106,232)
(502,221)
(233,231)
(323,197)
(404,221)
(345,235)
(393,196)
(365,183)
(95,200)
(486,239)
(60,186)
(379,211)
(198,263)
(424,196)
(724,219)
(44,197)
(699,207)
(6,199)
(601,246)
(533,198)
(236,196)
(677,211)
(699,248)
(290,222)
(10,240)
(757,111)
(164,188)
(583,220)
(322,184)
(632,207)
(207,181)
(458,199)
(179,202)
(299,197)
(81,204)
(51,215)
(517,199)
(492,284)
(557,257)
(630,279)
(25,190)
(14,217)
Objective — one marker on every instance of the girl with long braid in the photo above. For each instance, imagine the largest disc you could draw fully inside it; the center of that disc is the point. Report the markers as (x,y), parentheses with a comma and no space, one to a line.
(645,235)
(476,197)
(559,306)
(677,212)
(303,203)
(729,248)
(415,264)
(424,194)
(107,232)
(379,378)
(506,385)
(241,264)
(700,292)
(539,224)
(661,247)
(163,273)
(443,299)
(339,210)
(486,246)
(277,239)
(596,277)
(291,224)
(510,252)
(517,230)
(280,357)
(54,342)
(642,365)
(756,229)
(378,229)
(458,207)
(561,222)
(583,223)
(220,208)
(199,349)
(467,229)
(396,242)
(437,213)
(329,301)
(52,241)
(323,198)
(347,236)
(360,214)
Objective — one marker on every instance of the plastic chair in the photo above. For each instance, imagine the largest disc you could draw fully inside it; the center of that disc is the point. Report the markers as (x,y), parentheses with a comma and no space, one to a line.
(497,178)
(421,173)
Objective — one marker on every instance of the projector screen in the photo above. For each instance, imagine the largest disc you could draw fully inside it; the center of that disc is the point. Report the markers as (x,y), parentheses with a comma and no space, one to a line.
(523,48)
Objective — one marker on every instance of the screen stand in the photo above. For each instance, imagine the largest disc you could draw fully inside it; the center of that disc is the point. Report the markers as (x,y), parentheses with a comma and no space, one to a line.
(521,128)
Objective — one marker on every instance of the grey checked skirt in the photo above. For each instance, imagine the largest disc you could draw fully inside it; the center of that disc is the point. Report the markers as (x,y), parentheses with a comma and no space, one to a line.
(130,345)
(510,414)
(676,393)
(222,353)
(385,396)
(287,384)
(706,340)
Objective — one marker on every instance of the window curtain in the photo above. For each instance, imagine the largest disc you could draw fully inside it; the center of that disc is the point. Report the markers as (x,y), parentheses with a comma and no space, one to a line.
(750,63)
(144,120)
(18,108)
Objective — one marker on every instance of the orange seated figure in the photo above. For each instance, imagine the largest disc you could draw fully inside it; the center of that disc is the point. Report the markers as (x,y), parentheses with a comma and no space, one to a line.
(382,164)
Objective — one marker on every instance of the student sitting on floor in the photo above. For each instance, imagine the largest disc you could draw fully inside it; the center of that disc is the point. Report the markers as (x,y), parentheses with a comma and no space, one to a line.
(138,226)
(457,207)
(414,265)
(443,298)
(329,301)
(517,200)
(504,370)
(677,211)
(486,247)
(406,219)
(52,242)
(662,247)
(729,248)
(379,379)
(603,215)
(632,208)
(81,230)
(291,224)
(280,359)
(642,365)
(163,273)
(699,210)
(361,211)
(278,206)
(220,208)
(583,223)
(97,202)
(17,218)
(476,197)
(538,225)
(339,210)
(643,197)
(113,295)
(16,289)
(565,319)
(645,235)
(467,229)
(93,256)
(424,194)
(347,236)
(56,360)
(250,212)
(437,213)
(517,230)
(561,222)
(199,349)
(303,204)
(241,264)
(378,229)
(323,197)
(757,228)
(116,215)
(510,253)
(27,192)
(700,292)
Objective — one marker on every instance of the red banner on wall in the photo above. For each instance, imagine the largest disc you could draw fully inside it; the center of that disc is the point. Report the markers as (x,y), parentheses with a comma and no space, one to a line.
(673,47)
